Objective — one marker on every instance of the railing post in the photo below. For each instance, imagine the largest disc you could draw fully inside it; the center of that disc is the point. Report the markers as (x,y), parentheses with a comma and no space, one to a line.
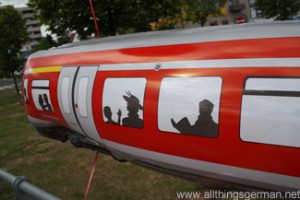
(19,194)
(24,190)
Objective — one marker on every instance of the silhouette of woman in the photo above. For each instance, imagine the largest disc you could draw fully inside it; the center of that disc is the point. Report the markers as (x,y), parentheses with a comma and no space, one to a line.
(133,107)
(108,115)
(204,126)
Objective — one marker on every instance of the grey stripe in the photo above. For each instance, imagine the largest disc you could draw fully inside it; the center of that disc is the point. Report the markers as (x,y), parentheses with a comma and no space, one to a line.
(240,175)
(39,122)
(181,36)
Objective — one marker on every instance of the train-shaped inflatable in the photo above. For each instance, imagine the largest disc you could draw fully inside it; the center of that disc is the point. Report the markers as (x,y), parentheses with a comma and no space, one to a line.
(218,104)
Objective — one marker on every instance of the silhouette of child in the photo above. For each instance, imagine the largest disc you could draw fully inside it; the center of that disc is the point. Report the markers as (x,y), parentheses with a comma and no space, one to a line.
(108,115)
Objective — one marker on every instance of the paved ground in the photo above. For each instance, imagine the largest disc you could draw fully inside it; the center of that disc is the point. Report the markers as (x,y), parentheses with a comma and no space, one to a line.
(7,83)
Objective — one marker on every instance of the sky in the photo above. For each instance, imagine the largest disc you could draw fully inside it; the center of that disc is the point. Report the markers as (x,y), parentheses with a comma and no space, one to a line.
(15,3)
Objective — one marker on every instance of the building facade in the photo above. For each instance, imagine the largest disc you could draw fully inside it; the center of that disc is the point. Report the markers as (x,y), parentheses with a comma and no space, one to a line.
(234,12)
(33,29)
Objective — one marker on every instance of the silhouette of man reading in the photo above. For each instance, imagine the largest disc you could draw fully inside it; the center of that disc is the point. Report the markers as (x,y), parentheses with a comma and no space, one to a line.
(133,107)
(204,126)
(108,115)
(44,103)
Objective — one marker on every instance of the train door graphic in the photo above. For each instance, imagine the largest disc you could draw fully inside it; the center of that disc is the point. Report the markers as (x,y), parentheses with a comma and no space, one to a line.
(74,94)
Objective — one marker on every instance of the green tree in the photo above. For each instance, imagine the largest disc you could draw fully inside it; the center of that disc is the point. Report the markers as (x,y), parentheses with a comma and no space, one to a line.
(13,34)
(200,10)
(113,16)
(48,42)
(45,43)
(281,9)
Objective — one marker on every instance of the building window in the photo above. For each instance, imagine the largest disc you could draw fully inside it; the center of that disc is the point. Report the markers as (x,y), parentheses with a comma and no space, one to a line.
(123,101)
(270,111)
(190,105)
(225,22)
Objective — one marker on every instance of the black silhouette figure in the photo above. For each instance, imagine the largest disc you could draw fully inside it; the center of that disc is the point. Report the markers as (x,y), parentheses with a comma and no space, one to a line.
(204,126)
(44,103)
(25,96)
(133,107)
(108,115)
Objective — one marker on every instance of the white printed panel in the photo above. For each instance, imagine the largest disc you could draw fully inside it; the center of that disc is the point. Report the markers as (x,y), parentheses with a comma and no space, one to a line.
(64,94)
(190,105)
(123,100)
(271,115)
(25,91)
(41,95)
(40,83)
(274,84)
(82,96)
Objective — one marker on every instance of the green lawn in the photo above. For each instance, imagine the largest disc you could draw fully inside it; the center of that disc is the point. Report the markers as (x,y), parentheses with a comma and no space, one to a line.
(63,170)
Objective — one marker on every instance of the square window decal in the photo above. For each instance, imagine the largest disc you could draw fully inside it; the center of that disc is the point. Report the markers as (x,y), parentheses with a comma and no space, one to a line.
(123,101)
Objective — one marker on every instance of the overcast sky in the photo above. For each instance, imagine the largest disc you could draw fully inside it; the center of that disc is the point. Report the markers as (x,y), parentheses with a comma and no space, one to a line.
(16,3)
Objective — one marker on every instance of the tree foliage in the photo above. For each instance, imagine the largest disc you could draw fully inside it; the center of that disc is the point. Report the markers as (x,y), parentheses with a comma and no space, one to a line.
(281,9)
(48,42)
(200,10)
(13,34)
(113,16)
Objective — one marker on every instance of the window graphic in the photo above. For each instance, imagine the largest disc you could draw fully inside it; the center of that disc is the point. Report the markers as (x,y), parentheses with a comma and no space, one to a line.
(190,105)
(65,87)
(82,96)
(41,95)
(123,100)
(270,111)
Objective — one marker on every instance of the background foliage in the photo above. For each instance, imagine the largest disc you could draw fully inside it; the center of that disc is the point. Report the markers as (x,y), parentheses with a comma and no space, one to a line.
(113,15)
(13,34)
(281,9)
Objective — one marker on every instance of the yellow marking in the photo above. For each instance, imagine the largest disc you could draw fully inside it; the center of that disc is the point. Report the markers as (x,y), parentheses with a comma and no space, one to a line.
(46,69)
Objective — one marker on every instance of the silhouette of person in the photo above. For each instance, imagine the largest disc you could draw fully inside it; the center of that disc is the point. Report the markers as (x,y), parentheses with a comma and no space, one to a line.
(47,104)
(133,107)
(41,101)
(25,96)
(204,126)
(44,103)
(108,115)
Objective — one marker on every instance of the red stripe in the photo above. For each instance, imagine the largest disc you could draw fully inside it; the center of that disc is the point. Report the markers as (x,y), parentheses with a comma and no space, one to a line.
(254,48)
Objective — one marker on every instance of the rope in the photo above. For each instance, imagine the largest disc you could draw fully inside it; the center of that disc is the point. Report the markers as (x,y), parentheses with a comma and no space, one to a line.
(91,176)
(94,17)
(97,153)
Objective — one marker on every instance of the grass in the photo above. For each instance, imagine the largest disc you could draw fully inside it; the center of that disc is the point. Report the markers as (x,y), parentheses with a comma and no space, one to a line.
(63,170)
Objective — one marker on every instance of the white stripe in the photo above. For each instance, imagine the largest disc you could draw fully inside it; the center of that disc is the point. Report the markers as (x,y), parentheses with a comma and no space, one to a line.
(28,71)
(196,64)
(209,167)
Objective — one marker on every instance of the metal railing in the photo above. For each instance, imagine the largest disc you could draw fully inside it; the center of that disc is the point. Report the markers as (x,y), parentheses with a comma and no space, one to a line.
(23,189)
